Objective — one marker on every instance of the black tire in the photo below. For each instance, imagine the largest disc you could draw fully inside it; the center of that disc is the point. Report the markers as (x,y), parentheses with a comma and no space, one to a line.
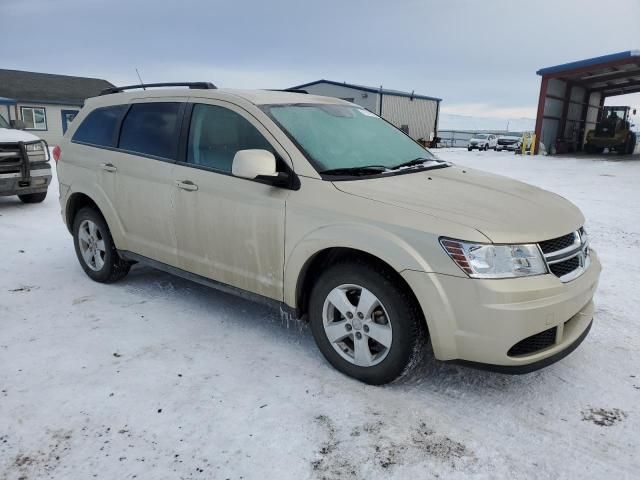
(469,149)
(486,147)
(114,268)
(409,332)
(33,197)
(622,149)
(632,144)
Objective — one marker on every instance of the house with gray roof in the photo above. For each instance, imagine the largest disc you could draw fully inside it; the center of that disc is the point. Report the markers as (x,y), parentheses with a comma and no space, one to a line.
(45,102)
(413,113)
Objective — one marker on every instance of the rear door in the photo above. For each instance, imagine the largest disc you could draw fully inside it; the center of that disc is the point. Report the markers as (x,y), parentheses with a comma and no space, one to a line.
(147,150)
(229,229)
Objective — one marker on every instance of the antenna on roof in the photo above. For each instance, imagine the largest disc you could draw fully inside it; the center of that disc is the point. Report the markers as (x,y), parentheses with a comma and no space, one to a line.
(140,78)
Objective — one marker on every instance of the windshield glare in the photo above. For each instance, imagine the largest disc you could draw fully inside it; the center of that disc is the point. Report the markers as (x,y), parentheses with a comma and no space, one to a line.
(344,136)
(482,135)
(3,122)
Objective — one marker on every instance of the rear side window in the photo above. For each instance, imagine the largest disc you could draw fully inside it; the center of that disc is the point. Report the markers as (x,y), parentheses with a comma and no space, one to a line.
(151,129)
(216,134)
(99,127)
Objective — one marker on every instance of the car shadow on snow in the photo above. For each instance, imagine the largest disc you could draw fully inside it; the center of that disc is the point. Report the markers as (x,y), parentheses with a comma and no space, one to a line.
(278,326)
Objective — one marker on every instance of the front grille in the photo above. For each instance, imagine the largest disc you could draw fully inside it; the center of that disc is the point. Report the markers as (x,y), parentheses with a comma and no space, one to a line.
(555,244)
(534,343)
(567,256)
(563,268)
(10,158)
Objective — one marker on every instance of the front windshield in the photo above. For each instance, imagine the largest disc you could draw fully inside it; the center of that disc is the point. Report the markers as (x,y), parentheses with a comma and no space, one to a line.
(3,122)
(345,136)
(482,135)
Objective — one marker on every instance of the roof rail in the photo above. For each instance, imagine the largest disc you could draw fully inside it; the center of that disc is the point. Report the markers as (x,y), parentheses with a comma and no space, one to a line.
(290,90)
(193,85)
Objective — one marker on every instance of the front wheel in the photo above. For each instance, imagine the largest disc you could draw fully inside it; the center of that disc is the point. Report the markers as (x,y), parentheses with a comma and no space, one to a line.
(33,197)
(95,249)
(366,324)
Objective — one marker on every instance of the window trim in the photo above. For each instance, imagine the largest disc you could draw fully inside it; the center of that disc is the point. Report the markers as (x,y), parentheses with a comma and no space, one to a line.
(44,110)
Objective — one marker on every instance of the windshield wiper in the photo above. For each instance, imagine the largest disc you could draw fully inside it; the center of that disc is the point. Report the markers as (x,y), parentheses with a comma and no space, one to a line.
(421,161)
(356,171)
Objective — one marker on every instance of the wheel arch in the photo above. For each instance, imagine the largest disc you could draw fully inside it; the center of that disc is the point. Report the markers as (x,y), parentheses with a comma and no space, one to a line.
(80,199)
(322,259)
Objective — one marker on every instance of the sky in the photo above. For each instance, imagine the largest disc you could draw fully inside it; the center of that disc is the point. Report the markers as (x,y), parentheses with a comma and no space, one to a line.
(480,57)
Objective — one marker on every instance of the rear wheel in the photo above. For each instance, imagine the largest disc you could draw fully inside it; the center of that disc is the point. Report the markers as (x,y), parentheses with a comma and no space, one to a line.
(365,324)
(33,197)
(95,249)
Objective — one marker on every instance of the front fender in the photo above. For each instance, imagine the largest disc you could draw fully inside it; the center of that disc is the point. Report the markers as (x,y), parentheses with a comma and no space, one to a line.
(381,243)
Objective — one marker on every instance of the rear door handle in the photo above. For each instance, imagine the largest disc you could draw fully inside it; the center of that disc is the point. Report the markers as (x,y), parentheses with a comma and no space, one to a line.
(187,185)
(108,167)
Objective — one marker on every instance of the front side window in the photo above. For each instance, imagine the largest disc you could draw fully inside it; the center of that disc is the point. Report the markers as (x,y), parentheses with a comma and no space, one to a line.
(337,137)
(34,118)
(151,129)
(217,133)
(99,128)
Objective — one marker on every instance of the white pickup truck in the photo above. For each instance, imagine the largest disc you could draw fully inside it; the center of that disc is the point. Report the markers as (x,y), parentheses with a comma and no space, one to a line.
(24,164)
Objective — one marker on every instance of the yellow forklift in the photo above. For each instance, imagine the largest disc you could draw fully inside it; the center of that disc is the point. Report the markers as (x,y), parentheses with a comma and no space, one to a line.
(613,131)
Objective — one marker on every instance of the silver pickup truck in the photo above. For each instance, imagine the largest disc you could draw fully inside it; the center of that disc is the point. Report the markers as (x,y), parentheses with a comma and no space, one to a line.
(24,164)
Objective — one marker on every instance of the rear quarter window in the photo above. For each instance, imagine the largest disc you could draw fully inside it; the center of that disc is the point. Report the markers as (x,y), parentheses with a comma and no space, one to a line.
(99,127)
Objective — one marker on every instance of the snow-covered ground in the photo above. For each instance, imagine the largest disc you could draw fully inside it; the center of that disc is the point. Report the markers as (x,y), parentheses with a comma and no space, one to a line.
(156,377)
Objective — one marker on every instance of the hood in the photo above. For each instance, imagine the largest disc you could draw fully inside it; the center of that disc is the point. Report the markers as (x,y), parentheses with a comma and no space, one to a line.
(504,210)
(10,135)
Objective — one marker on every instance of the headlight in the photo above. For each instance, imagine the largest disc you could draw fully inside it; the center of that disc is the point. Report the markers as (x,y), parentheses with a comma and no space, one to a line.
(36,152)
(480,260)
(34,147)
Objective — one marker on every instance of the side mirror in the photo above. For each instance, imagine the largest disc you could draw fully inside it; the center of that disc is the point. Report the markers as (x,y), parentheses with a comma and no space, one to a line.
(634,111)
(17,124)
(254,163)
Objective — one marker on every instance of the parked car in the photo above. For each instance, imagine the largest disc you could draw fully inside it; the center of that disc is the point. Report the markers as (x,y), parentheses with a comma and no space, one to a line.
(324,209)
(507,142)
(24,164)
(483,141)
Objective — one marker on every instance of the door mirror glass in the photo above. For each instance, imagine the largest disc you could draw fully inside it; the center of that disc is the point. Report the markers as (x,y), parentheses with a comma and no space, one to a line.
(254,163)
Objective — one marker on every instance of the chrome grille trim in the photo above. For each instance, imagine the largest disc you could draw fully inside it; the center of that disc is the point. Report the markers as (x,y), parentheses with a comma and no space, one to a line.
(579,248)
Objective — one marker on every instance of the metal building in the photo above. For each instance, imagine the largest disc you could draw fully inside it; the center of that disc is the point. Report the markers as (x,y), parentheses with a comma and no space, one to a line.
(573,94)
(416,115)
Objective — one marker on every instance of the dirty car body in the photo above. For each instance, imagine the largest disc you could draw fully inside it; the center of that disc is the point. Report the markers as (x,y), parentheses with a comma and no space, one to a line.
(326,208)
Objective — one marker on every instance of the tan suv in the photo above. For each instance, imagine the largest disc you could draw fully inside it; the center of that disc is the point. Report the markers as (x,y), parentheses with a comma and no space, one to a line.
(322,207)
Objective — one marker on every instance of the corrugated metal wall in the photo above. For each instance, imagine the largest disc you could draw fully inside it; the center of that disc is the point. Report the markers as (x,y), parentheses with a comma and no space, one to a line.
(418,114)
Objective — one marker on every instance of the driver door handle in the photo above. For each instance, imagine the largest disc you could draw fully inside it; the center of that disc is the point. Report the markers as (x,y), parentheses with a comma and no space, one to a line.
(187,185)
(108,167)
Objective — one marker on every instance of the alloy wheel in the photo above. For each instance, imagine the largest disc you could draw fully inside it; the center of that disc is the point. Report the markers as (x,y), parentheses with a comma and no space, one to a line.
(357,325)
(92,246)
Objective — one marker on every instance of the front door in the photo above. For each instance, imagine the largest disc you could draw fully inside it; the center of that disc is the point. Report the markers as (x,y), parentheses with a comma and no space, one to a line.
(228,229)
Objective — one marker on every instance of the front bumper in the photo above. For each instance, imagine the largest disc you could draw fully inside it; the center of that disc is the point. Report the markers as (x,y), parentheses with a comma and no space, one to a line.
(510,148)
(16,184)
(478,321)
